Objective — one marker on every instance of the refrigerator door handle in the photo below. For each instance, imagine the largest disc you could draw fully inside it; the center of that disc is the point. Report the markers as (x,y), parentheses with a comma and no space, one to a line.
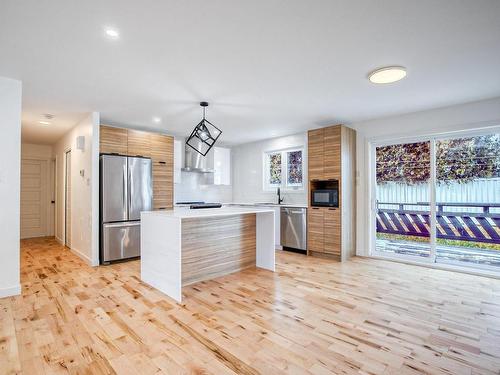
(123,224)
(125,188)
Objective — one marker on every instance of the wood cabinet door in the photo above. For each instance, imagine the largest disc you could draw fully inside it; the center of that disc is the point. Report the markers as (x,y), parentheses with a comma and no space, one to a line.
(139,143)
(315,229)
(316,154)
(162,148)
(163,185)
(332,147)
(332,228)
(112,140)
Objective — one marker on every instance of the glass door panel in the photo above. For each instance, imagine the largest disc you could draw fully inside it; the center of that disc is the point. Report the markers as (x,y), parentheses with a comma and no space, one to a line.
(403,222)
(468,200)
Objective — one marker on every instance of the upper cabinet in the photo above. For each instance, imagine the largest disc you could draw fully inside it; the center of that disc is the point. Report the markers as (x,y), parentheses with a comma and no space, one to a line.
(316,157)
(139,143)
(222,166)
(113,140)
(158,147)
(332,146)
(324,153)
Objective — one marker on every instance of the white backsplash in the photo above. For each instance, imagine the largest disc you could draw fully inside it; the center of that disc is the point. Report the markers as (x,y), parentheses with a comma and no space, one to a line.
(194,187)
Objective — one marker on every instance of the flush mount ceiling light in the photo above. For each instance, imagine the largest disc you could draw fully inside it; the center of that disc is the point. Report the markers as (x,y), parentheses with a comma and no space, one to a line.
(156,120)
(112,33)
(47,117)
(204,135)
(388,74)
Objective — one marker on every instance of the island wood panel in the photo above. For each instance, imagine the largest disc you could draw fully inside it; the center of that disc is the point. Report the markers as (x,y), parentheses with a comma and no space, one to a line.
(332,147)
(316,154)
(332,232)
(163,185)
(113,140)
(312,316)
(215,246)
(139,143)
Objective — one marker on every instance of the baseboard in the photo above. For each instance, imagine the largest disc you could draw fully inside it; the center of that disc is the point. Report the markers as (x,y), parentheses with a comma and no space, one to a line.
(12,291)
(81,255)
(59,240)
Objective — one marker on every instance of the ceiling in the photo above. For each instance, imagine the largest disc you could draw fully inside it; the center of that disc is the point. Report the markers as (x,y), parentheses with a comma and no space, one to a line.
(268,68)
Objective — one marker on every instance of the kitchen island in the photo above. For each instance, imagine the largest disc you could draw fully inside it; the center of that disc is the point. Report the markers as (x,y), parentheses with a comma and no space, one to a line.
(183,246)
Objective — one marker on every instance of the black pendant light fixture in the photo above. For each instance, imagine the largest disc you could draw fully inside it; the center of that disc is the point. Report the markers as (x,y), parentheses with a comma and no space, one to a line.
(204,135)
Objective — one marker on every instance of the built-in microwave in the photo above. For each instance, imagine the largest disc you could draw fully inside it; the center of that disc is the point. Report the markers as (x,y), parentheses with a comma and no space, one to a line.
(325,197)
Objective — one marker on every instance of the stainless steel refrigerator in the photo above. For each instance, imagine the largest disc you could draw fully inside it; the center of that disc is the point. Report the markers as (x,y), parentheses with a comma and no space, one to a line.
(125,191)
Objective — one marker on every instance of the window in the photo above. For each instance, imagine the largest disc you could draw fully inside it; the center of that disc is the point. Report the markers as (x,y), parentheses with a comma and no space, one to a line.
(283,168)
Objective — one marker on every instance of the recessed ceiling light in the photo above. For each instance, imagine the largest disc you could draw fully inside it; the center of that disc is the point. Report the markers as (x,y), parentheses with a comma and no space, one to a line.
(44,122)
(388,74)
(112,33)
(156,120)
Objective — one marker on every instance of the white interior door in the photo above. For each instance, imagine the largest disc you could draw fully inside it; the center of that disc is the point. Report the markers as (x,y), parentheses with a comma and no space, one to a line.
(67,201)
(34,198)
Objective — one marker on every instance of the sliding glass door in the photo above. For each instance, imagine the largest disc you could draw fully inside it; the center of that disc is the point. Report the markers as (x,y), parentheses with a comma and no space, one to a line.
(468,200)
(403,174)
(438,200)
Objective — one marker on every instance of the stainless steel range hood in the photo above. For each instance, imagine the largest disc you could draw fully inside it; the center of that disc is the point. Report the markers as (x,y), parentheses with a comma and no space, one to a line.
(195,162)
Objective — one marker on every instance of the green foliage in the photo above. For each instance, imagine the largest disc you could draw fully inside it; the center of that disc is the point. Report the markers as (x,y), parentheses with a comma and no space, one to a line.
(458,160)
(439,241)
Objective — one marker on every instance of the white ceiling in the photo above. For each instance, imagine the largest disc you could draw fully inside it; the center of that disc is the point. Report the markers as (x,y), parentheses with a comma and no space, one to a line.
(267,67)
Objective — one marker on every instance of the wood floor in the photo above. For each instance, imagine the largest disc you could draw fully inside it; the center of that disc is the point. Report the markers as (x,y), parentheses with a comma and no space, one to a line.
(311,316)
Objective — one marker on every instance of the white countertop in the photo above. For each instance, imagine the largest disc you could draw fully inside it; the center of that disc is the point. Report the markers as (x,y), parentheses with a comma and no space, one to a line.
(291,205)
(185,212)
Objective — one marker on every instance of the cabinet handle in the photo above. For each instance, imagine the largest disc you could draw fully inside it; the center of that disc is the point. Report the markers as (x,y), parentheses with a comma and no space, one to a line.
(162,162)
(162,208)
(315,208)
(332,209)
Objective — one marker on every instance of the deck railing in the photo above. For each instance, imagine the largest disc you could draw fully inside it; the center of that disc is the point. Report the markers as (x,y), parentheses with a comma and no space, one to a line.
(413,219)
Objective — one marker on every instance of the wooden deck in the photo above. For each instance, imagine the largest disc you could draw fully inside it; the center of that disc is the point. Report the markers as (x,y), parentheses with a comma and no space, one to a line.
(313,316)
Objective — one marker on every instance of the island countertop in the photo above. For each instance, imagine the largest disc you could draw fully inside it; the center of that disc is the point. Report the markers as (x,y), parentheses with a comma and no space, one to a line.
(186,212)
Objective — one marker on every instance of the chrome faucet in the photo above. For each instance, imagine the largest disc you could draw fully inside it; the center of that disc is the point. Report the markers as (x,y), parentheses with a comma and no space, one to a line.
(279,196)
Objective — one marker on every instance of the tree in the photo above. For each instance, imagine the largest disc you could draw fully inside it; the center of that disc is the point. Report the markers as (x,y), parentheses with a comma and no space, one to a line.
(458,160)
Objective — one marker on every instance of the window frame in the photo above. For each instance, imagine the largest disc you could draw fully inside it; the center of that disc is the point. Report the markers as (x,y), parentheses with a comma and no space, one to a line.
(284,171)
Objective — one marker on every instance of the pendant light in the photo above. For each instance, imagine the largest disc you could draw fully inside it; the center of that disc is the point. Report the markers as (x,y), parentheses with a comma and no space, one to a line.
(204,135)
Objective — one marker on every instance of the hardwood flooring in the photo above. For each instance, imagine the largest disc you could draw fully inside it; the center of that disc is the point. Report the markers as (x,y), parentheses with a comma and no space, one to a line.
(313,316)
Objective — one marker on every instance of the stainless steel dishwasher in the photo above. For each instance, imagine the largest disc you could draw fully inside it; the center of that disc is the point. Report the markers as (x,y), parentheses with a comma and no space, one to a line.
(294,228)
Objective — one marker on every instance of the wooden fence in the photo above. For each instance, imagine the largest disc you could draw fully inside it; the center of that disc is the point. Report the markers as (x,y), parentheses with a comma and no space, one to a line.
(411,220)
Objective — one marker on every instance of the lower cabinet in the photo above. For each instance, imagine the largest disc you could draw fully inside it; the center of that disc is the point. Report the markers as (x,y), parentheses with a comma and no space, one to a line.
(332,232)
(315,229)
(323,231)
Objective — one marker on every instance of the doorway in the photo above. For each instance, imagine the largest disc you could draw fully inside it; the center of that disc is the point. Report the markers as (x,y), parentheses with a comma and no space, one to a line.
(437,200)
(67,199)
(35,214)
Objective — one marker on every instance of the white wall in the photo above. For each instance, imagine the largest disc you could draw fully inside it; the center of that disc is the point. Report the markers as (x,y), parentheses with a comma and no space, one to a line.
(10,176)
(477,115)
(84,190)
(44,152)
(34,151)
(248,173)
